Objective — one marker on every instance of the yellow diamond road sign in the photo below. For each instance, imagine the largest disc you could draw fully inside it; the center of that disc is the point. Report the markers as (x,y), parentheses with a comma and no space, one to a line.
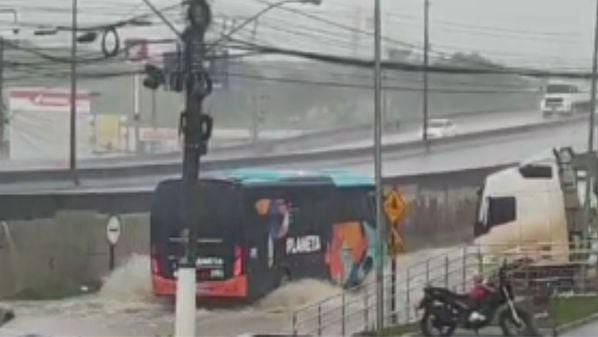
(395,207)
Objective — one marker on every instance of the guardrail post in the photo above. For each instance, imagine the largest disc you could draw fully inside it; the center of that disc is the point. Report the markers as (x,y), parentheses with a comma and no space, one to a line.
(584,273)
(343,315)
(366,311)
(446,271)
(427,271)
(295,332)
(407,296)
(480,261)
(320,319)
(464,271)
(393,293)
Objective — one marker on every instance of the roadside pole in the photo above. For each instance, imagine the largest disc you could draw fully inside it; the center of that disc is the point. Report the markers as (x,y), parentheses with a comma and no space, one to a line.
(197,130)
(378,166)
(592,126)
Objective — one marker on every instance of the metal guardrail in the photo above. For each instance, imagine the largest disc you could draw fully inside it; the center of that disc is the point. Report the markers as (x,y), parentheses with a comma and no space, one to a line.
(167,167)
(354,310)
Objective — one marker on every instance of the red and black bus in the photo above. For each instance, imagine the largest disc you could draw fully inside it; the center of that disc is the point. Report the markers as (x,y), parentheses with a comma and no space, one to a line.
(258,229)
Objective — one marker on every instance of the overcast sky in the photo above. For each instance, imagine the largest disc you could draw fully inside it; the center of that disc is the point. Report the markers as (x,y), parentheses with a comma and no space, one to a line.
(556,33)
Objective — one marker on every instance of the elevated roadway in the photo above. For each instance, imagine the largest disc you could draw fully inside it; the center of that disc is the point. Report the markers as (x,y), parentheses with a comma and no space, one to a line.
(487,148)
(323,140)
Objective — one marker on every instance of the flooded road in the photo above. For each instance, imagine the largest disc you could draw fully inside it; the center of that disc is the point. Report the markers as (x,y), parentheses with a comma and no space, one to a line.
(125,306)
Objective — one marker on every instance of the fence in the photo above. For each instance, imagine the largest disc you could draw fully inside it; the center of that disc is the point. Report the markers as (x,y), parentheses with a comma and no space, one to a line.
(540,275)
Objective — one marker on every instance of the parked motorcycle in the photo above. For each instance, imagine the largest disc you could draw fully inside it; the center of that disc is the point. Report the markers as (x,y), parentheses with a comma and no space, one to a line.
(445,311)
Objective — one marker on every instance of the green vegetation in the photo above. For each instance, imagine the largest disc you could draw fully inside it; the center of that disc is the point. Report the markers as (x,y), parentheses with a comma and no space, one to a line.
(565,310)
(570,309)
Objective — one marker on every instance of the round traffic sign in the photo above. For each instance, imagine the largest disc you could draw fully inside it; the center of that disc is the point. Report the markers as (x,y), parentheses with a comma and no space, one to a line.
(113,229)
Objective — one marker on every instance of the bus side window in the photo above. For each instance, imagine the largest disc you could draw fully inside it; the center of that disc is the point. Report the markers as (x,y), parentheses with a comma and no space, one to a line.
(501,210)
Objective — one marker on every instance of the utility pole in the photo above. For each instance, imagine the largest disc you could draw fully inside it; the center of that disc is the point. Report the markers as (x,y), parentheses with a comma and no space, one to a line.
(378,164)
(197,128)
(136,109)
(154,117)
(2,105)
(73,119)
(592,126)
(426,64)
(255,115)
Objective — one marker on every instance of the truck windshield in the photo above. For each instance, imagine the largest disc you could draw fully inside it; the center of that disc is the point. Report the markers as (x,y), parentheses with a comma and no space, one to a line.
(561,89)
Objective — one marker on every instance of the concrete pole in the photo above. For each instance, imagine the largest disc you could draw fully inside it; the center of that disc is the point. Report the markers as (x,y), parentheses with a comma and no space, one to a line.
(73,116)
(426,64)
(3,109)
(592,125)
(378,164)
(136,109)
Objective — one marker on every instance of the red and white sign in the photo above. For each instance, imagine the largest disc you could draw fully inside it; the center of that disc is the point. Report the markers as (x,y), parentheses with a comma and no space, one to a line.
(137,49)
(158,134)
(47,100)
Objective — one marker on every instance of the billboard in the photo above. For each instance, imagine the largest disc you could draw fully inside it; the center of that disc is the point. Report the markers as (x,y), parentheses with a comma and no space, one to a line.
(47,100)
(39,123)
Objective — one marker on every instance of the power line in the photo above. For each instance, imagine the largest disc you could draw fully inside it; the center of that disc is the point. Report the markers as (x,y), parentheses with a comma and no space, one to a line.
(484,69)
(335,84)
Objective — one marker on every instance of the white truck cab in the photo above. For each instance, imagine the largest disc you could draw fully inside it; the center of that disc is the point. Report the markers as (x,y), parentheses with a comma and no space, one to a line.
(564,98)
(536,208)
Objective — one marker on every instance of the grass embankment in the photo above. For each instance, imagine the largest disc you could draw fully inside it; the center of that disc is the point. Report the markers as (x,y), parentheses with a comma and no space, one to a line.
(396,330)
(570,309)
(565,310)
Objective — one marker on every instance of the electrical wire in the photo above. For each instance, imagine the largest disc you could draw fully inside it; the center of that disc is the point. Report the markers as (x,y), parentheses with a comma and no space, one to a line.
(482,69)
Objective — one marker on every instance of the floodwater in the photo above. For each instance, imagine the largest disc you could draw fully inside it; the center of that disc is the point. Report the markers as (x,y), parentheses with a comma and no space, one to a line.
(126,306)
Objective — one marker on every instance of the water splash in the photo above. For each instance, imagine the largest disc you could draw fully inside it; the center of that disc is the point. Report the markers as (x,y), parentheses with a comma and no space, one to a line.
(130,282)
(298,294)
(7,234)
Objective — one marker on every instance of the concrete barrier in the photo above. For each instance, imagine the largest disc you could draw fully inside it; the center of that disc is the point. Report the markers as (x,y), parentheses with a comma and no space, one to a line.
(54,257)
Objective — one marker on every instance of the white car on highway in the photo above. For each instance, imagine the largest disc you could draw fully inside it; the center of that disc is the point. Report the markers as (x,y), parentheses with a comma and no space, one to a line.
(440,128)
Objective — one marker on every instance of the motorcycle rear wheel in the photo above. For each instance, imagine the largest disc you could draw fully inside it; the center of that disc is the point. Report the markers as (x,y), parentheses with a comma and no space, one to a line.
(430,329)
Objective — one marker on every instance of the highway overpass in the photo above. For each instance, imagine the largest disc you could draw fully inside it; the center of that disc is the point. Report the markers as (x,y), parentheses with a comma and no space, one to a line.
(477,148)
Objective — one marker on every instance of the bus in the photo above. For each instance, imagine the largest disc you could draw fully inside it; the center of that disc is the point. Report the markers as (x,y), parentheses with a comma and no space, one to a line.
(259,229)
